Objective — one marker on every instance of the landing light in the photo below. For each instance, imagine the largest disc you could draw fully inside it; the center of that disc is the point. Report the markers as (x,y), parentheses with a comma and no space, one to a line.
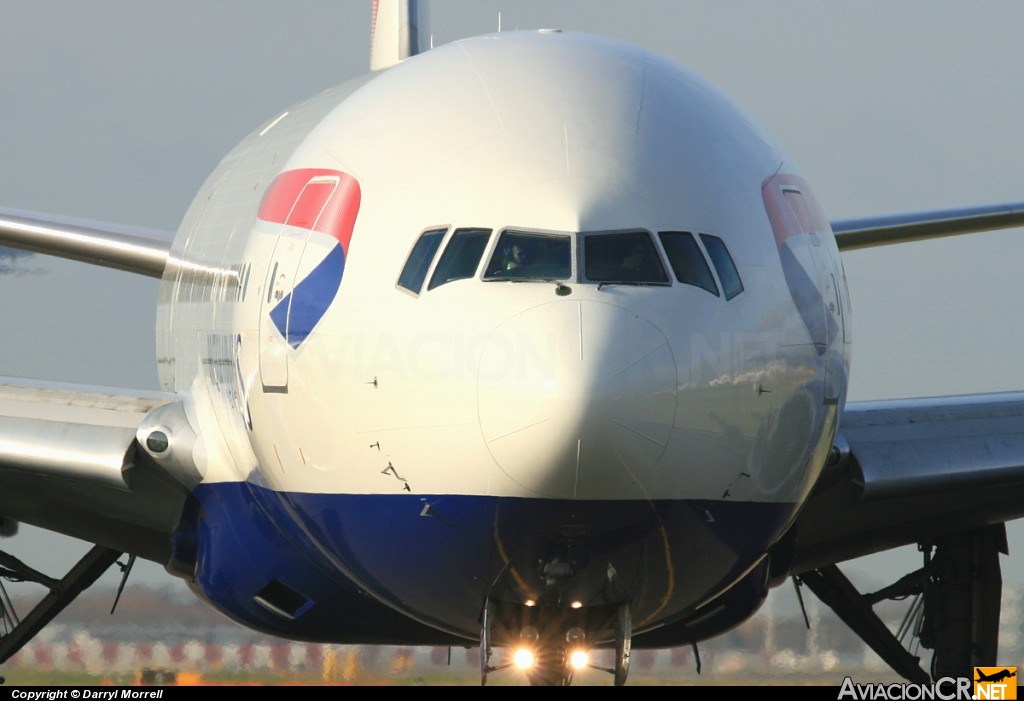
(157,441)
(523,658)
(576,605)
(579,659)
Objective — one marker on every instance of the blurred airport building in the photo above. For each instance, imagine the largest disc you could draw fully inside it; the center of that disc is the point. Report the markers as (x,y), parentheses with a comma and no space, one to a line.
(157,630)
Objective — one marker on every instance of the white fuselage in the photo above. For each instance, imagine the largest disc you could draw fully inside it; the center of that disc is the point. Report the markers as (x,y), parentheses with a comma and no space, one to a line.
(560,389)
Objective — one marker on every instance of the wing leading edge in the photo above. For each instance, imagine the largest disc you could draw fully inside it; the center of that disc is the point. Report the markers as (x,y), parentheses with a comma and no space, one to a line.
(866,232)
(136,250)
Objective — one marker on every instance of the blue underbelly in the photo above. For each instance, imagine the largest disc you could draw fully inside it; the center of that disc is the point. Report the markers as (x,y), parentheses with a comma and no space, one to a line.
(380,568)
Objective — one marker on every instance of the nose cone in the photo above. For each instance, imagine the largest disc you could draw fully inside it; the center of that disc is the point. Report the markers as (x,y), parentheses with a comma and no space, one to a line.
(576,399)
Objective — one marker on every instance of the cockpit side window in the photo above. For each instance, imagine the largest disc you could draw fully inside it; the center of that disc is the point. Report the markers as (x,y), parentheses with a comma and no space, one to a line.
(727,272)
(416,267)
(687,261)
(522,255)
(624,258)
(461,256)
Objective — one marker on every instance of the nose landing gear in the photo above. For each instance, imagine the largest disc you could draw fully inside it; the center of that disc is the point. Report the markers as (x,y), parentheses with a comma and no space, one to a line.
(551,644)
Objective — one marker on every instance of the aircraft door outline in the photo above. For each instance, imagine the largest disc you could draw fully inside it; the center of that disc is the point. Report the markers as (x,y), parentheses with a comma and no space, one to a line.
(312,199)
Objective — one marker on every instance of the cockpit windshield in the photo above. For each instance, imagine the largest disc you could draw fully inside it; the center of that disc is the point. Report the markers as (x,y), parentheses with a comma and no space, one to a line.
(606,258)
(623,258)
(520,255)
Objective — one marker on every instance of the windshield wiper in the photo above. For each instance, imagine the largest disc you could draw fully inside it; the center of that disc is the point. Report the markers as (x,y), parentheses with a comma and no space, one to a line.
(632,283)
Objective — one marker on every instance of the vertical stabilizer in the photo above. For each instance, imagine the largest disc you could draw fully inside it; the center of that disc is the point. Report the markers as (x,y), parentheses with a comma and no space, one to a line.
(394,32)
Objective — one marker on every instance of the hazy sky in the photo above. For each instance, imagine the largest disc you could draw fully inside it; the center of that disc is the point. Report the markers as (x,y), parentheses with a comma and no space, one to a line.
(117,110)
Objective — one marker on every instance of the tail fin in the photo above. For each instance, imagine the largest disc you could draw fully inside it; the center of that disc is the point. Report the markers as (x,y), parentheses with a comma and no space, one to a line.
(394,32)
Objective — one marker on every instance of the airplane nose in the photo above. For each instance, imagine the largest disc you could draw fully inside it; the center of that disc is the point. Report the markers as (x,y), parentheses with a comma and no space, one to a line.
(576,399)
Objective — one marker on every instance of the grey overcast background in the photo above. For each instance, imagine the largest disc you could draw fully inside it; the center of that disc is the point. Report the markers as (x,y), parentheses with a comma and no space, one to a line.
(117,110)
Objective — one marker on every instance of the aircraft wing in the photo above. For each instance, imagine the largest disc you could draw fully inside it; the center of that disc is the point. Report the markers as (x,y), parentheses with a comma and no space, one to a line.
(136,250)
(70,463)
(68,453)
(852,234)
(910,470)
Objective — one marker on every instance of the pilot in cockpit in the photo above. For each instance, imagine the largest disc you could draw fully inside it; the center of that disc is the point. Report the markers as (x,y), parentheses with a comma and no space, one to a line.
(638,265)
(513,257)
(633,260)
(529,256)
